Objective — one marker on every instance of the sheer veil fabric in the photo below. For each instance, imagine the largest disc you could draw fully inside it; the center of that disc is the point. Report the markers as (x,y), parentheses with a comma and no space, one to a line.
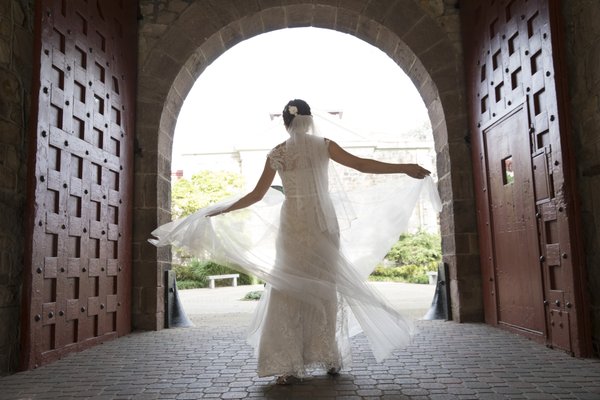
(314,245)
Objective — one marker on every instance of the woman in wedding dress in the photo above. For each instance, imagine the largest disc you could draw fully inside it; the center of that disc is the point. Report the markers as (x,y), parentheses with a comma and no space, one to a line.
(315,248)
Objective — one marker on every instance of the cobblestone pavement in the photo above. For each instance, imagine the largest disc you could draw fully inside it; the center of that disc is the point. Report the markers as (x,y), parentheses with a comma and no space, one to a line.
(212,360)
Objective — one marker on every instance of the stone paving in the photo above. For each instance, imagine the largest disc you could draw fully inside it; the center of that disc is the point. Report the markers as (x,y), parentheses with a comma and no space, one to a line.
(212,360)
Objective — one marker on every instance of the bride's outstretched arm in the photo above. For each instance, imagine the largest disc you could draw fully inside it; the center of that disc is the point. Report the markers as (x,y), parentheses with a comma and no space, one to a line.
(263,184)
(371,166)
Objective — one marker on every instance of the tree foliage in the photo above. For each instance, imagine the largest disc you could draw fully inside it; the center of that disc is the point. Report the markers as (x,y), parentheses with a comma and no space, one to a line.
(203,189)
(421,248)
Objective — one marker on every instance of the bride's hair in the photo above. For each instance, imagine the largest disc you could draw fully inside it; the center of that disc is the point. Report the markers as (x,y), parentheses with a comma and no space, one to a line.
(301,107)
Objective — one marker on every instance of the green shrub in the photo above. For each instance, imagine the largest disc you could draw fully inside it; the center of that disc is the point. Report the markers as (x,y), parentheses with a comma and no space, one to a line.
(414,255)
(253,295)
(182,285)
(419,248)
(405,273)
(193,274)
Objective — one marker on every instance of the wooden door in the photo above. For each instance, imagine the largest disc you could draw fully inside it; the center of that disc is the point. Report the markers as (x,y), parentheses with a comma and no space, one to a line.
(526,202)
(78,275)
(513,228)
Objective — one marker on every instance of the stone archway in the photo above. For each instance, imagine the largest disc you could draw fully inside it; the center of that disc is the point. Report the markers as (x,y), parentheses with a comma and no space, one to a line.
(180,40)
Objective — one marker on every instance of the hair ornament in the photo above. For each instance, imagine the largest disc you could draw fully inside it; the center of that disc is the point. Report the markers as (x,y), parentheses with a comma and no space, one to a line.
(293,110)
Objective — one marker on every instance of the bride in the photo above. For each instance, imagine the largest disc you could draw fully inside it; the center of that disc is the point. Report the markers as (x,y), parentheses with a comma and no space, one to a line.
(315,246)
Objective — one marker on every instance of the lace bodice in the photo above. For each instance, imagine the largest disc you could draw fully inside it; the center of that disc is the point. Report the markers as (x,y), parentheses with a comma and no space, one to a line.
(298,168)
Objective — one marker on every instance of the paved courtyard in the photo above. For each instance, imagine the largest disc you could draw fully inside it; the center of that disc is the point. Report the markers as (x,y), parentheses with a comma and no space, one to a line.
(212,360)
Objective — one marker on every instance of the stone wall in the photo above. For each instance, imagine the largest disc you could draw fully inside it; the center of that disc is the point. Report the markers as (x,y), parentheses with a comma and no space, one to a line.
(178,39)
(16,35)
(583,58)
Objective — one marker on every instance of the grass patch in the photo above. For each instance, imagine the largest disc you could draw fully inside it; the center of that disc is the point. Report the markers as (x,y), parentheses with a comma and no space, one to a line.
(253,295)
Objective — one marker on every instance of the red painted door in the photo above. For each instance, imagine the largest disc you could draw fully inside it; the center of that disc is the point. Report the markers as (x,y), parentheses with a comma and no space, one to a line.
(524,178)
(513,226)
(78,276)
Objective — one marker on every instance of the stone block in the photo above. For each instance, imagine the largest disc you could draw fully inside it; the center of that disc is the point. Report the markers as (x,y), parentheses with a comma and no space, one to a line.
(446,218)
(212,48)
(136,299)
(455,110)
(423,36)
(164,155)
(9,157)
(465,218)
(145,161)
(164,256)
(164,166)
(231,35)
(8,179)
(6,9)
(164,215)
(346,21)
(368,30)
(136,250)
(378,10)
(448,244)
(180,46)
(171,110)
(466,243)
(160,66)
(273,18)
(434,106)
(439,57)
(199,23)
(144,221)
(251,25)
(351,5)
(22,54)
(148,321)
(9,336)
(387,41)
(443,163)
(5,53)
(166,17)
(152,30)
(145,191)
(10,294)
(324,16)
(177,6)
(430,96)
(150,300)
(196,64)
(147,11)
(163,193)
(245,8)
(183,82)
(447,79)
(19,17)
(299,15)
(462,185)
(146,274)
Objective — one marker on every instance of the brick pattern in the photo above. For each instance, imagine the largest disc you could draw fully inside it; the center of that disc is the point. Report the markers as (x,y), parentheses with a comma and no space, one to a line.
(16,27)
(178,40)
(583,53)
(212,360)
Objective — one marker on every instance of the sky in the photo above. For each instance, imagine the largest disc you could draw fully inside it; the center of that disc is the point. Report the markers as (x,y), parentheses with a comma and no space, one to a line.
(230,102)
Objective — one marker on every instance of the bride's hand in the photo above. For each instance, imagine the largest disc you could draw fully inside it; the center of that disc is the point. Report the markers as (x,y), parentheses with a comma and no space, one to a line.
(416,171)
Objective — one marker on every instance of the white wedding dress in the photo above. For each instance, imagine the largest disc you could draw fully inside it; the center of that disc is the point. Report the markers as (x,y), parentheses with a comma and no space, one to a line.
(315,248)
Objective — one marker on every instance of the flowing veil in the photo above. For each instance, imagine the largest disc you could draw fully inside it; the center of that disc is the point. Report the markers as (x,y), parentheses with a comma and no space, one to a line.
(364,223)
